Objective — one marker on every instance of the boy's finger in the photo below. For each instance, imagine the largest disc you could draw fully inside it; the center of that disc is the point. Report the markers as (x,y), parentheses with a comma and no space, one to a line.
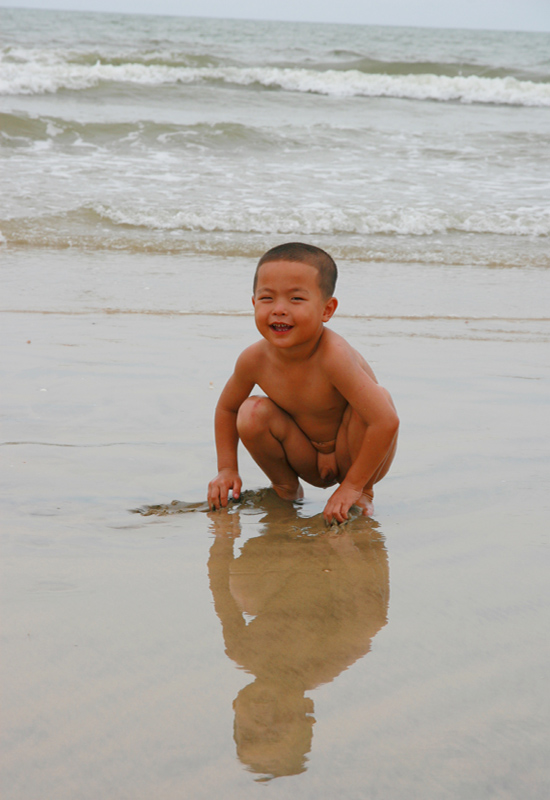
(214,500)
(337,516)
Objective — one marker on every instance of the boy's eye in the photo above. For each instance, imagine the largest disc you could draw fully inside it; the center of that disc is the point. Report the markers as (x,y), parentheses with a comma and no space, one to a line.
(297,297)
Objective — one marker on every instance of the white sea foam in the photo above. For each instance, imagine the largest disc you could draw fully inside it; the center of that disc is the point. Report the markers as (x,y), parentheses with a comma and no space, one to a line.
(407,222)
(45,73)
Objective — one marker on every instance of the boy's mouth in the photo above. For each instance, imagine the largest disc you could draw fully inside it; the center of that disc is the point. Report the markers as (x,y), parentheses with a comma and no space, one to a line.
(280,327)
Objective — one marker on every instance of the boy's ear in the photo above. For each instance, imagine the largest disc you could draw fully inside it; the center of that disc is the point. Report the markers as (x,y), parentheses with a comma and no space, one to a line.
(330,307)
(253,300)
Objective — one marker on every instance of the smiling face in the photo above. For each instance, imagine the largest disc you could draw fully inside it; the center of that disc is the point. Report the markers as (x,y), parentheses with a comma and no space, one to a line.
(289,307)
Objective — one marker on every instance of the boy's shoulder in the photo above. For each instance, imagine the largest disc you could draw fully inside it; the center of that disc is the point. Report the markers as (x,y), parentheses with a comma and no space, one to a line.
(251,355)
(339,356)
(335,347)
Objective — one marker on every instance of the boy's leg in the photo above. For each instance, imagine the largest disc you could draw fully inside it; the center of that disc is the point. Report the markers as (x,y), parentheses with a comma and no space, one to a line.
(279,447)
(349,441)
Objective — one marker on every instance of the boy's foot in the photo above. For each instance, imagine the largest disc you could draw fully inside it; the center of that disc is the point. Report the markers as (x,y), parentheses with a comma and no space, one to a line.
(288,492)
(366,502)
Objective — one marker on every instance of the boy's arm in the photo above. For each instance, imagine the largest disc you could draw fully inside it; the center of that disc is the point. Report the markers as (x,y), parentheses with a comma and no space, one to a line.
(373,404)
(235,392)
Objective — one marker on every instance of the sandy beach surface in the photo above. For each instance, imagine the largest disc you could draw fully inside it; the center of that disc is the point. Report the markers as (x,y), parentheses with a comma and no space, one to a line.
(190,655)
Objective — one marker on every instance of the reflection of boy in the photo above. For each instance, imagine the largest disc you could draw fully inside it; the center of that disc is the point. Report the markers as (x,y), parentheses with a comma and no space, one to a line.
(273,728)
(297,607)
(325,418)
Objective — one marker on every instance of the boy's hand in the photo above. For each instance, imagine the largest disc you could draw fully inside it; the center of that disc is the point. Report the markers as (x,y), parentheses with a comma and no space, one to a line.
(218,489)
(340,502)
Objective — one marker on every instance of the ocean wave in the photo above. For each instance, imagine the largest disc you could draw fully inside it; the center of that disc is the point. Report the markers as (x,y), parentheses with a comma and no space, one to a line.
(48,74)
(21,129)
(449,69)
(85,230)
(165,223)
(388,221)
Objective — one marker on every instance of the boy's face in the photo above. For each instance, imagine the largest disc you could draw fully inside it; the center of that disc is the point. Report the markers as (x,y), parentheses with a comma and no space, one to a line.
(289,307)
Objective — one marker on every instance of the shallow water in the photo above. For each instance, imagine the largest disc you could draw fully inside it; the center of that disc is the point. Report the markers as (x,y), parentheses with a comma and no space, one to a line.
(132,645)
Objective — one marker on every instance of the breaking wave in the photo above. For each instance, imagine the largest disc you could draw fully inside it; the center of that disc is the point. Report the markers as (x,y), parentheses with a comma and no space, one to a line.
(38,74)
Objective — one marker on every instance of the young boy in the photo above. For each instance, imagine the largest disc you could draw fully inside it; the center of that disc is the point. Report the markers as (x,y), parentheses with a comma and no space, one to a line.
(325,418)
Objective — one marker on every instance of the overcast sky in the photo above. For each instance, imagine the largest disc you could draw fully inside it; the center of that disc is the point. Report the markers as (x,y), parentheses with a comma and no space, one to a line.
(526,15)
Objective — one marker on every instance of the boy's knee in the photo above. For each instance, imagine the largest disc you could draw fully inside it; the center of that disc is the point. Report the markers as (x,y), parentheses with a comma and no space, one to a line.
(389,398)
(253,416)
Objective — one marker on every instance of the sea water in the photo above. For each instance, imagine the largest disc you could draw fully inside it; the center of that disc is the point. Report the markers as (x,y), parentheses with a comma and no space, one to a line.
(187,135)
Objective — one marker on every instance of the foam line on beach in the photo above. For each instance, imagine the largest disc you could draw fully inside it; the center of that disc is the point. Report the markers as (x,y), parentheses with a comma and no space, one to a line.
(443,327)
(109,225)
(94,445)
(213,313)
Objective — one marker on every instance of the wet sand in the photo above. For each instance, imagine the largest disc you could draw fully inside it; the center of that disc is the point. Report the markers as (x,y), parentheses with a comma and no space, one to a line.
(190,655)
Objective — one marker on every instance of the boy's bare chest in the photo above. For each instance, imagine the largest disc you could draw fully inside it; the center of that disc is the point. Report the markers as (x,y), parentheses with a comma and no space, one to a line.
(301,391)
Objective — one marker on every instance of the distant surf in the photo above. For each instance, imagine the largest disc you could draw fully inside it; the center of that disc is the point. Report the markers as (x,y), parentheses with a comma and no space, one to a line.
(169,135)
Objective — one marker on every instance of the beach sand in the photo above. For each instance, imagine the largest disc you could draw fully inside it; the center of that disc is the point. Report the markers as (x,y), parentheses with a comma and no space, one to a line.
(420,639)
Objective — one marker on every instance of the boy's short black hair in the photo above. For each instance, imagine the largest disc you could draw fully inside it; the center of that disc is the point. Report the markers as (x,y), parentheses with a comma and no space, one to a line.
(305,254)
